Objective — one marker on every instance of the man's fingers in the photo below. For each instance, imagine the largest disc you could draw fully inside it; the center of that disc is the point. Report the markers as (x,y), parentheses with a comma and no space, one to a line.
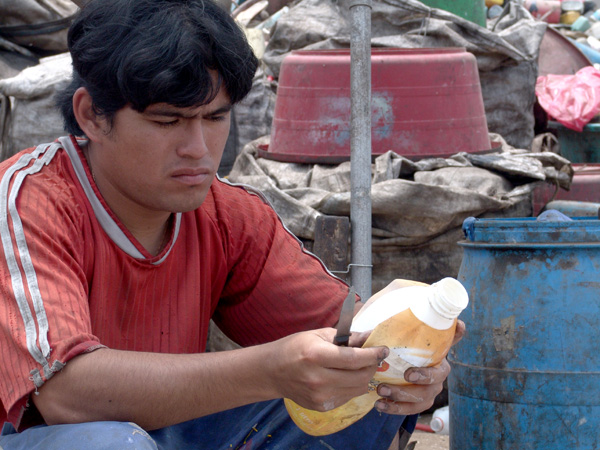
(349,358)
(411,399)
(435,374)
(459,332)
(402,408)
(428,375)
(358,339)
(326,354)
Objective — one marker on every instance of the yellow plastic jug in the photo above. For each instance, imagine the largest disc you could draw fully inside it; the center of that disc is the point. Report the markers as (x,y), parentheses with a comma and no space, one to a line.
(416,322)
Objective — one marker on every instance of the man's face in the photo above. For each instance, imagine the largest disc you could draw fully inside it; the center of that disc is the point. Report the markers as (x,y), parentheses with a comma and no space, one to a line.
(161,160)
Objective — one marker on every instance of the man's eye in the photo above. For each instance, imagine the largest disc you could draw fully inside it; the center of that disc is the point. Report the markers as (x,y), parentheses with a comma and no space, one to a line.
(167,124)
(217,118)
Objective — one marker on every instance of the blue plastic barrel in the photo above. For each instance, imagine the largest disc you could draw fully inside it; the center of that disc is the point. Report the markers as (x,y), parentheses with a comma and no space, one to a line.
(527,374)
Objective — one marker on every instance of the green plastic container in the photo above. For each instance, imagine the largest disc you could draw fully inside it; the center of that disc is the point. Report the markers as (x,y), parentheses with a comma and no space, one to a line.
(473,10)
(578,146)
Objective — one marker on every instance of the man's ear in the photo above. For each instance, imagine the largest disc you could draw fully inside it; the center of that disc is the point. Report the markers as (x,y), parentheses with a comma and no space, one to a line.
(91,124)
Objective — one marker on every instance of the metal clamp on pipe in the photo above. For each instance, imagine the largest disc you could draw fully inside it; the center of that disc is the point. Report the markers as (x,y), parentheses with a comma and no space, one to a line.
(367,3)
(349,266)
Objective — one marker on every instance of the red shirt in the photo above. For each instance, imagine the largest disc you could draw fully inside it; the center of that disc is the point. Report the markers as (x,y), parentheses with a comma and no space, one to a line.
(73,279)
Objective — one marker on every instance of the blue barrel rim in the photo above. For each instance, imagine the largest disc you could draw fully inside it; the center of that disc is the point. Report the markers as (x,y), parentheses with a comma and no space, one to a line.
(528,232)
(527,245)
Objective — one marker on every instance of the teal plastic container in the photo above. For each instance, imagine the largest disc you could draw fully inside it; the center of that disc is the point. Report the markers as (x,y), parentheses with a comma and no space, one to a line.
(527,374)
(473,10)
(578,147)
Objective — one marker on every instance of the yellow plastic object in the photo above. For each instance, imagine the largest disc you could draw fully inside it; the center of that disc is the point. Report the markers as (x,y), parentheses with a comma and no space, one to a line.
(411,342)
(490,3)
(569,17)
(318,423)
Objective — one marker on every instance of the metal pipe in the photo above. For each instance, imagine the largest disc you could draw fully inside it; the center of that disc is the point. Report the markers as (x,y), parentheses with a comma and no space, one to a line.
(360,146)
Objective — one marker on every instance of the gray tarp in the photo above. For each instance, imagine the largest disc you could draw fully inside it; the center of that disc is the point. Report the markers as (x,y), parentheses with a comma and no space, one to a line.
(28,112)
(418,207)
(35,25)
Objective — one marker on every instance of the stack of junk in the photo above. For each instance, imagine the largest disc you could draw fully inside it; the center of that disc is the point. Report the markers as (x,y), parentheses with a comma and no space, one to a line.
(474,134)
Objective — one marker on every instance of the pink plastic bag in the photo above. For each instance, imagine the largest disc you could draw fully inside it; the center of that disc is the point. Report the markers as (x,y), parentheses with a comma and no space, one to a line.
(572,100)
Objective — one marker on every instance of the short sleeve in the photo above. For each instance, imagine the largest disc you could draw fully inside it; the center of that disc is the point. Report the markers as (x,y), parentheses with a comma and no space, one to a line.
(275,287)
(44,314)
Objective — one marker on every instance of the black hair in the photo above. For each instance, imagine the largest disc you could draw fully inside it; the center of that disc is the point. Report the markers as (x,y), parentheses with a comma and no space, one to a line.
(141,52)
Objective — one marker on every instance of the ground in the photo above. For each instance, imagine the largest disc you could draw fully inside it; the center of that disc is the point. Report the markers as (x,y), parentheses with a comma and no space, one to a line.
(422,440)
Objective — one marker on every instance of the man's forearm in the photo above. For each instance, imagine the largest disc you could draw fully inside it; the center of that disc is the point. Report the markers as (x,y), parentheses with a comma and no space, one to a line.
(158,390)
(153,390)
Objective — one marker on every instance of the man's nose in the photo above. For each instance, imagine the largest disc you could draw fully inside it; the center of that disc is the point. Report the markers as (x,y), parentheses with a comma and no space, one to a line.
(193,141)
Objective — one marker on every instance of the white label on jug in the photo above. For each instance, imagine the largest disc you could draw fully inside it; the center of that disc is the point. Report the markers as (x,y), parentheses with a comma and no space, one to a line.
(401,358)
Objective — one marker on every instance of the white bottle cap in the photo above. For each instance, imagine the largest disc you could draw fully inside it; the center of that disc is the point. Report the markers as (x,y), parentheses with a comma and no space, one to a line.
(449,299)
(437,424)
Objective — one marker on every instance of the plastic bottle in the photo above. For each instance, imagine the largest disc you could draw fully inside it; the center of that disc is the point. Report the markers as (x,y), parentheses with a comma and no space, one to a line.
(581,24)
(571,10)
(547,10)
(440,421)
(417,323)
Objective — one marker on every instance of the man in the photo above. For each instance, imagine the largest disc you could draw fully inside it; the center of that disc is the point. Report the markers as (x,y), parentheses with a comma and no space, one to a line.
(120,245)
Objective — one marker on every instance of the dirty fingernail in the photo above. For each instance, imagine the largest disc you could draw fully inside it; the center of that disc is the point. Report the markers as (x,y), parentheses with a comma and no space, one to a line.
(381,406)
(385,353)
(413,376)
(385,391)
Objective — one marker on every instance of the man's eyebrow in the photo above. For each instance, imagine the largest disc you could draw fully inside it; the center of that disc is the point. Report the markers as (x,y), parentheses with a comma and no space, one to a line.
(166,112)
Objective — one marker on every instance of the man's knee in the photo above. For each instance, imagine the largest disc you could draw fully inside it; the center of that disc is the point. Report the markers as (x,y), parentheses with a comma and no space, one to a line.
(92,436)
(128,435)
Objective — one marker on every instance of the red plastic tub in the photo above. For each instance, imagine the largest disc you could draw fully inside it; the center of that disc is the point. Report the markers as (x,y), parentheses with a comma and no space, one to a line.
(425,103)
(585,187)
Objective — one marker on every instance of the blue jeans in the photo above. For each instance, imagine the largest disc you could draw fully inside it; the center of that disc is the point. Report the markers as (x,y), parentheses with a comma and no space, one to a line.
(263,425)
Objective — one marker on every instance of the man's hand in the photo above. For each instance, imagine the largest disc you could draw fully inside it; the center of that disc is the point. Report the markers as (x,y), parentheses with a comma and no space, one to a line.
(427,383)
(318,375)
